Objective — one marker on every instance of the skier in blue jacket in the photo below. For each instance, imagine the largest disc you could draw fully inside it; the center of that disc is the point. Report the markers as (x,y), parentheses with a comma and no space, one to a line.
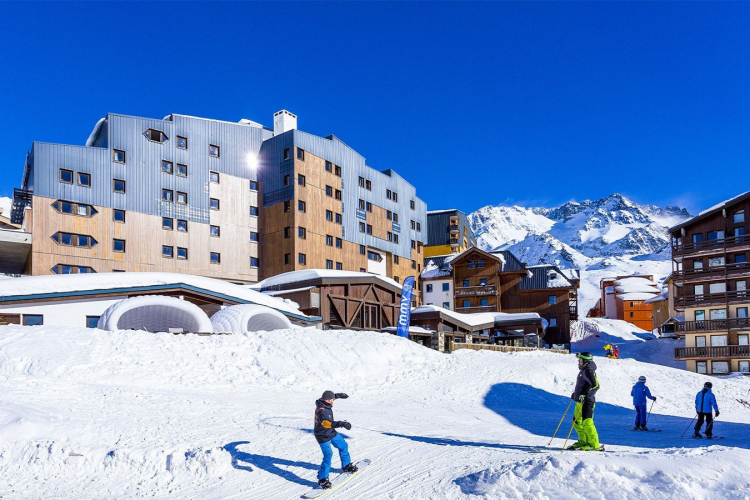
(705,403)
(640,392)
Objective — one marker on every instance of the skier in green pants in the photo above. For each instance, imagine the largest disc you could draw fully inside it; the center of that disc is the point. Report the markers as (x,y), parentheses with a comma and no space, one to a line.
(585,397)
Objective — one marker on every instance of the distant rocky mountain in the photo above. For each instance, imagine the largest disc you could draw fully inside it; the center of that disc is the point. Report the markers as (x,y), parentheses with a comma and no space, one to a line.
(612,235)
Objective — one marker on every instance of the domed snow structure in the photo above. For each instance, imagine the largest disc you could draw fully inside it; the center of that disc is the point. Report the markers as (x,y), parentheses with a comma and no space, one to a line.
(155,313)
(249,318)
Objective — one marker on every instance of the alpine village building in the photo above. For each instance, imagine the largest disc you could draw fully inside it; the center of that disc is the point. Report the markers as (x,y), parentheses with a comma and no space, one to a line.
(448,232)
(710,275)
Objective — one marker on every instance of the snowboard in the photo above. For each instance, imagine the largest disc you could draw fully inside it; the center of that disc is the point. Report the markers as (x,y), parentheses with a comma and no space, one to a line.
(647,430)
(743,402)
(337,481)
(703,437)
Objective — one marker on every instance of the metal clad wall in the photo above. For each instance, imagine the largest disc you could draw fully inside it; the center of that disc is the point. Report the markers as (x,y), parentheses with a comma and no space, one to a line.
(437,226)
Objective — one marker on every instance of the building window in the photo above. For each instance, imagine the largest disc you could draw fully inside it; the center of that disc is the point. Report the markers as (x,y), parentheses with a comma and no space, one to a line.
(167,167)
(66,176)
(214,151)
(368,185)
(84,179)
(338,218)
(413,264)
(329,166)
(302,259)
(329,191)
(368,207)
(66,269)
(118,156)
(300,154)
(301,206)
(287,180)
(182,225)
(413,244)
(362,182)
(254,262)
(480,262)
(552,300)
(329,216)
(118,215)
(739,217)
(92,321)
(413,224)
(465,283)
(446,287)
(446,305)
(70,208)
(411,204)
(395,217)
(301,180)
(389,194)
(369,228)
(167,195)
(374,256)
(154,135)
(167,223)
(552,322)
(389,236)
(182,170)
(470,263)
(429,288)
(118,186)
(339,266)
(466,303)
(719,367)
(739,258)
(167,251)
(302,233)
(73,240)
(182,253)
(744,366)
(254,236)
(287,259)
(700,367)
(215,231)
(33,319)
(484,303)
(254,211)
(700,341)
(362,270)
(329,264)
(181,142)
(389,215)
(715,235)
(118,245)
(395,238)
(337,170)
(397,279)
(483,281)
(362,250)
(213,203)
(395,259)
(181,198)
(287,232)
(287,206)
(419,226)
(214,177)
(361,204)
(339,243)
(329,240)
(253,185)
(215,258)
(286,153)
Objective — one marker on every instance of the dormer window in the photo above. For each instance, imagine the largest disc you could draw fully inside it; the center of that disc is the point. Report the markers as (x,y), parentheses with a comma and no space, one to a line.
(154,135)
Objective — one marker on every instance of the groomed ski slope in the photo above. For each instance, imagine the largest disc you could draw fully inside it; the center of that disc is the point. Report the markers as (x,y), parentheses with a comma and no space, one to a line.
(93,414)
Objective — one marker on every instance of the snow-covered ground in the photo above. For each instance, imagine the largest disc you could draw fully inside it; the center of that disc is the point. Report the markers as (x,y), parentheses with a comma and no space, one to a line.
(92,414)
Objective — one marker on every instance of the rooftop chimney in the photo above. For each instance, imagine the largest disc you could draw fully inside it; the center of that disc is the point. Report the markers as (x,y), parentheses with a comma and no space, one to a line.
(284,121)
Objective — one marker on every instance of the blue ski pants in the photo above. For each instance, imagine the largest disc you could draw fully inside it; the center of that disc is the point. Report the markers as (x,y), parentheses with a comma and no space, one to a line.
(340,444)
(640,415)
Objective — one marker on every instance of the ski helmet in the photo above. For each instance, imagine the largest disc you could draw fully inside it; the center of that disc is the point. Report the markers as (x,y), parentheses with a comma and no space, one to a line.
(585,356)
(708,384)
(641,379)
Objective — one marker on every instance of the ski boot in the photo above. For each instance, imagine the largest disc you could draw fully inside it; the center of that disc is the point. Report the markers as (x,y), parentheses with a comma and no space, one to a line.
(698,435)
(324,483)
(350,468)
(576,446)
(709,436)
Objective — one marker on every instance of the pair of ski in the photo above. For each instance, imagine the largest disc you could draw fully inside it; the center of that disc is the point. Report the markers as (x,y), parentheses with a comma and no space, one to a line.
(337,481)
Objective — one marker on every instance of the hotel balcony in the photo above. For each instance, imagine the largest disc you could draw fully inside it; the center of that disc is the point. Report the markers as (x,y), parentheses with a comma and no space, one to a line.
(732,270)
(476,309)
(707,299)
(729,242)
(475,291)
(713,325)
(715,352)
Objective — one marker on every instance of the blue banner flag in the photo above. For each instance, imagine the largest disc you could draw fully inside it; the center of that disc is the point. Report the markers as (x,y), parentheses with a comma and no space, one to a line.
(404,312)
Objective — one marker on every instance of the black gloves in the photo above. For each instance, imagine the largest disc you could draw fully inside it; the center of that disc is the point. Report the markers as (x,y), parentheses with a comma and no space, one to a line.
(581,398)
(346,425)
(717,413)
(654,398)
(340,395)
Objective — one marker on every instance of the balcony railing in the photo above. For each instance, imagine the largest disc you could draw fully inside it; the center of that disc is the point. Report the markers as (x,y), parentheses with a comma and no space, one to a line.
(727,351)
(453,227)
(709,272)
(712,325)
(701,246)
(453,241)
(476,309)
(475,290)
(712,298)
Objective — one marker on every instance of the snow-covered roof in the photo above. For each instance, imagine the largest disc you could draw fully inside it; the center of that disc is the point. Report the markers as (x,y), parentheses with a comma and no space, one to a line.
(274,293)
(430,212)
(634,280)
(636,287)
(477,320)
(70,284)
(658,298)
(711,210)
(412,329)
(635,296)
(544,276)
(313,274)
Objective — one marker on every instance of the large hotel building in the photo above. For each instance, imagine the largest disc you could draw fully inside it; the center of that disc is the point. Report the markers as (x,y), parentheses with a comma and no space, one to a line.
(709,286)
(237,201)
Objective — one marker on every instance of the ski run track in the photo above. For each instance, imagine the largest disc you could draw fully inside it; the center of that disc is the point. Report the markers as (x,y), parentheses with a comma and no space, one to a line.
(89,414)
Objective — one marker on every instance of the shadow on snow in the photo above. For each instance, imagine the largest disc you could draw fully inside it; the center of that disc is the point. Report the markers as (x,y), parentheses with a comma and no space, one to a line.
(539,412)
(246,461)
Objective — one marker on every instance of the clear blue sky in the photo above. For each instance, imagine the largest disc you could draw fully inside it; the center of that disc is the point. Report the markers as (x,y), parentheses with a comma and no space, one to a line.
(475,103)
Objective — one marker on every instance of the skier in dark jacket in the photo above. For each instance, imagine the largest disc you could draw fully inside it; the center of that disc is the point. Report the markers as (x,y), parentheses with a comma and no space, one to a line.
(585,397)
(325,433)
(640,392)
(705,403)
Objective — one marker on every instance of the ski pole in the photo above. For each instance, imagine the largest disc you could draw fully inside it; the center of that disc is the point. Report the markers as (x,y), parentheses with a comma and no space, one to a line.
(569,433)
(691,423)
(561,421)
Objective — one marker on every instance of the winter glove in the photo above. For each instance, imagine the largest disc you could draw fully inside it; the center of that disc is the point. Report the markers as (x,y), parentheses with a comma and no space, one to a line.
(346,425)
(581,398)
(340,395)
(654,398)
(717,413)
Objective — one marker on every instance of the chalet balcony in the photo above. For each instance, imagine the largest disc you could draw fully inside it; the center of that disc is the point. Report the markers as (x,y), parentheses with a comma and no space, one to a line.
(712,325)
(727,351)
(706,299)
(476,309)
(453,227)
(713,272)
(475,291)
(573,313)
(711,245)
(453,241)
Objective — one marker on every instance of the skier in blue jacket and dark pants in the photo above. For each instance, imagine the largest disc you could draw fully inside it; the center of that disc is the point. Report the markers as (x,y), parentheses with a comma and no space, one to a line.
(705,404)
(640,392)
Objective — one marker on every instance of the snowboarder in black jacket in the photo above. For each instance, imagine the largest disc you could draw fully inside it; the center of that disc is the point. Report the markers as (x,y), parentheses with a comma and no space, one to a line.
(585,397)
(325,433)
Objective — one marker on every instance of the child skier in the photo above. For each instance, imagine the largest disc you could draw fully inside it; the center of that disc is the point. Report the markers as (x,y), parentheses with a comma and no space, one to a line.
(585,397)
(608,350)
(640,392)
(705,402)
(616,352)
(326,435)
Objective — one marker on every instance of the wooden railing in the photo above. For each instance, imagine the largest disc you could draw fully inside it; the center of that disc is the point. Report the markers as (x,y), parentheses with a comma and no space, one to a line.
(727,351)
(475,290)
(476,309)
(708,272)
(502,348)
(701,246)
(712,298)
(712,325)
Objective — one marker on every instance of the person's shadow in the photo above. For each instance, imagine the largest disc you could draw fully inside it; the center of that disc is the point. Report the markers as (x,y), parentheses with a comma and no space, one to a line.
(246,461)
